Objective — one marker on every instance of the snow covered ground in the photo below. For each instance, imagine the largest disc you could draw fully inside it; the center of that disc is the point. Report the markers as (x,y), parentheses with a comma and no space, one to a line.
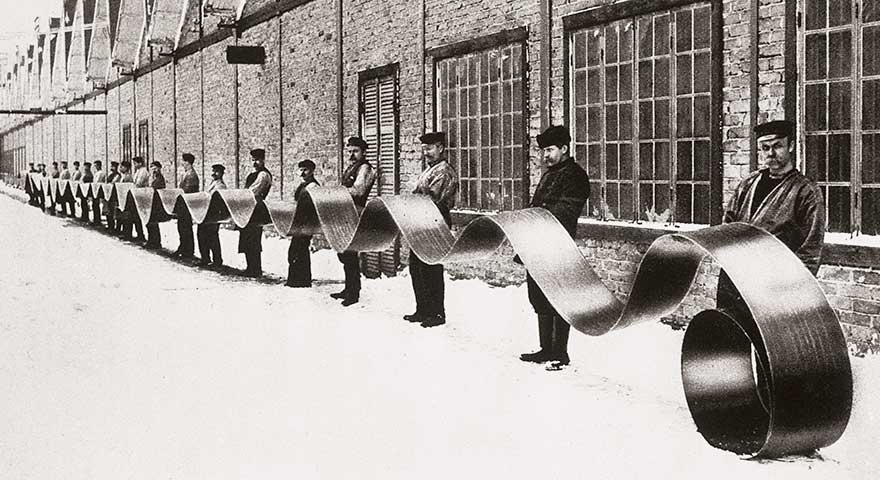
(117,362)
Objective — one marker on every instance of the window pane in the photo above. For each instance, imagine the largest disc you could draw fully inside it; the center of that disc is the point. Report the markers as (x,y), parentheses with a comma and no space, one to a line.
(661,35)
(816,107)
(701,69)
(684,162)
(683,36)
(611,44)
(871,105)
(702,112)
(839,158)
(661,119)
(661,161)
(626,81)
(611,167)
(871,10)
(646,161)
(646,37)
(839,13)
(870,207)
(611,122)
(646,119)
(702,160)
(702,30)
(815,157)
(815,56)
(816,13)
(871,160)
(838,209)
(611,84)
(593,48)
(661,77)
(684,117)
(871,50)
(683,198)
(646,79)
(626,161)
(683,74)
(839,108)
(580,48)
(840,55)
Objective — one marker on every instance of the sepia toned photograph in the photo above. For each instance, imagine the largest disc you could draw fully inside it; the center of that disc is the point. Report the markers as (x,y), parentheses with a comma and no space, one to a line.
(437,239)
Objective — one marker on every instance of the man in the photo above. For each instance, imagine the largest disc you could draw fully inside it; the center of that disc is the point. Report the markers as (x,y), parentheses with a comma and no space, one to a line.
(189,184)
(250,237)
(779,199)
(86,177)
(123,223)
(100,177)
(54,173)
(299,262)
(157,181)
(32,196)
(141,179)
(112,177)
(64,175)
(77,174)
(358,178)
(209,233)
(440,182)
(563,190)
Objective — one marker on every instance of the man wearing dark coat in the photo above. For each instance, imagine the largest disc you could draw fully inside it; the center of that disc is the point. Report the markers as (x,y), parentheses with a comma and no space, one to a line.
(112,177)
(208,234)
(563,190)
(157,181)
(100,177)
(358,178)
(189,184)
(779,199)
(250,239)
(65,175)
(86,177)
(440,182)
(299,262)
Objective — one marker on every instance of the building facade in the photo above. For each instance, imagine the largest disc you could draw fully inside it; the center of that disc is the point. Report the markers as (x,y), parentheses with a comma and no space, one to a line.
(660,96)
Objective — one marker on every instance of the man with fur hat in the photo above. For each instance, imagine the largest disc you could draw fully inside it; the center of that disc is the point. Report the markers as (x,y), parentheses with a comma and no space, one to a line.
(563,190)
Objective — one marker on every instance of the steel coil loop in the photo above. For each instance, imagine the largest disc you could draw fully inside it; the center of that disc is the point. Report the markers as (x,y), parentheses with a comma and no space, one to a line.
(768,376)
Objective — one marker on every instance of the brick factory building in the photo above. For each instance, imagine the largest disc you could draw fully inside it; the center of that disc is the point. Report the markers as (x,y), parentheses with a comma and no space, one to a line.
(660,97)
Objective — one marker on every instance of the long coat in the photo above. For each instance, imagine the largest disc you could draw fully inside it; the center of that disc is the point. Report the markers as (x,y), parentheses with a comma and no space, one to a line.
(794,212)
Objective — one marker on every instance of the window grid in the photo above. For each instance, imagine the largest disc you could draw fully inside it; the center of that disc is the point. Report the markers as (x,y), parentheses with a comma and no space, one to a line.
(126,143)
(840,109)
(646,141)
(480,107)
(144,141)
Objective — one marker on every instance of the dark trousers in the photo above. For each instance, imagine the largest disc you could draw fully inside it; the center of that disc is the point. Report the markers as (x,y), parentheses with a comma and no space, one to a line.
(553,330)
(111,218)
(351,265)
(299,262)
(428,286)
(154,237)
(185,230)
(250,243)
(96,211)
(209,242)
(64,203)
(84,209)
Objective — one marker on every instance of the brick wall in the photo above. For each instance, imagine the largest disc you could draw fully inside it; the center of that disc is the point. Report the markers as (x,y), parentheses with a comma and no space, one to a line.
(308,48)
(188,107)
(259,104)
(219,115)
(163,121)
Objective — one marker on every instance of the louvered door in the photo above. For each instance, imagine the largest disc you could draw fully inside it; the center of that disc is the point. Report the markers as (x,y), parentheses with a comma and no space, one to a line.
(378,127)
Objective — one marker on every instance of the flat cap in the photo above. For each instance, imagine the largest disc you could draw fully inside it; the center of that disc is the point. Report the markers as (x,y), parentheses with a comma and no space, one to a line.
(156,164)
(780,128)
(433,137)
(114,162)
(218,167)
(357,142)
(554,135)
(189,158)
(258,153)
(306,164)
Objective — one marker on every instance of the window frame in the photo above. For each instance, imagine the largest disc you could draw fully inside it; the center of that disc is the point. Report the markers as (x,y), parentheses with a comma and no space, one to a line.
(601,17)
(856,79)
(127,143)
(518,36)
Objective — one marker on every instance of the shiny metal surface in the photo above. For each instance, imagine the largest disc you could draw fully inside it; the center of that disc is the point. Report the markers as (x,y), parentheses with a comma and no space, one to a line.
(769,379)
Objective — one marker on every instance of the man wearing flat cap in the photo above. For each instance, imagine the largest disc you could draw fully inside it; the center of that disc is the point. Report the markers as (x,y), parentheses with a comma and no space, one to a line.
(112,177)
(189,183)
(100,177)
(358,178)
(563,190)
(440,182)
(779,199)
(157,182)
(299,262)
(209,233)
(250,239)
